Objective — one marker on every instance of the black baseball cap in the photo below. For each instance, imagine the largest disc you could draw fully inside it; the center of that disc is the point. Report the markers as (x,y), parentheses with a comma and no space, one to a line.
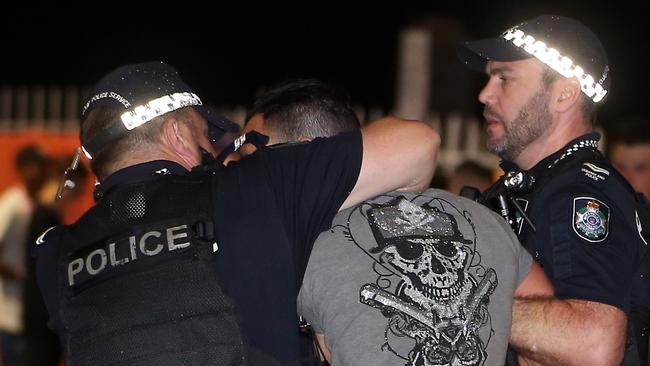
(564,44)
(145,91)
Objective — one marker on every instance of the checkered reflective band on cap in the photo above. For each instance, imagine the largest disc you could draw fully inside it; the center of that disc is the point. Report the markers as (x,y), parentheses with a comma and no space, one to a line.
(557,61)
(139,115)
(157,107)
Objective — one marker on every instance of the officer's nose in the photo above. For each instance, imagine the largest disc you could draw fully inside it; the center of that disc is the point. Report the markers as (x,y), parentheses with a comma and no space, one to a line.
(486,96)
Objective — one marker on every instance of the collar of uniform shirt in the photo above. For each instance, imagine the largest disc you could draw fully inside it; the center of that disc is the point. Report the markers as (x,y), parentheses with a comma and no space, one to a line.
(139,172)
(589,140)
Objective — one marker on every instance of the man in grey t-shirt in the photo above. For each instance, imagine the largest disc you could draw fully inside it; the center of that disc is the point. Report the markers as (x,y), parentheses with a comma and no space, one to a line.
(416,279)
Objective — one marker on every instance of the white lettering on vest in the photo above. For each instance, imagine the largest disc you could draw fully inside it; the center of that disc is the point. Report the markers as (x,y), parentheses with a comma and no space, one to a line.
(132,247)
(74,267)
(114,261)
(172,235)
(102,261)
(143,248)
(126,251)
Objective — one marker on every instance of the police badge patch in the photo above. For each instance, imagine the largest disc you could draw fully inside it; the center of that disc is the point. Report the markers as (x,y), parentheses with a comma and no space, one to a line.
(590,219)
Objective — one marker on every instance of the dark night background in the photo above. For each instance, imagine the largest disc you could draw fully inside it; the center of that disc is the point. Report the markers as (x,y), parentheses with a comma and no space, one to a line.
(227,53)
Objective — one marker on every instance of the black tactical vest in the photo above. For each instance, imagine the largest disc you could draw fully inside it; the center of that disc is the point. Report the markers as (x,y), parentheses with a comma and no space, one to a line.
(138,281)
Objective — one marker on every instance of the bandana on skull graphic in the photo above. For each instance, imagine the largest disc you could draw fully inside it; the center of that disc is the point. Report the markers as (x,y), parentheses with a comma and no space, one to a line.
(437,302)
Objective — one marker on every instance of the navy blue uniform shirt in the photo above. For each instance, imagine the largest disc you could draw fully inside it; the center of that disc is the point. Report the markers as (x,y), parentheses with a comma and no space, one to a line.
(269,208)
(586,236)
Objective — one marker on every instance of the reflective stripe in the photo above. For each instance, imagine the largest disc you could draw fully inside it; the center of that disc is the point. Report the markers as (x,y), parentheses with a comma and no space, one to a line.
(558,62)
(142,114)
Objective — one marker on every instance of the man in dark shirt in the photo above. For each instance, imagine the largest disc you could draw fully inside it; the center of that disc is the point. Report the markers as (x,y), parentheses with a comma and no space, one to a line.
(297,111)
(628,147)
(144,129)
(546,77)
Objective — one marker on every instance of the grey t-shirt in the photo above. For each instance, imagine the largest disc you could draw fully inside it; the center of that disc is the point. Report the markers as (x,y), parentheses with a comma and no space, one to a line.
(414,279)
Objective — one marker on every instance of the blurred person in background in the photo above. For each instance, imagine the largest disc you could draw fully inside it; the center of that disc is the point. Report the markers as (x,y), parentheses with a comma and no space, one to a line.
(16,207)
(628,146)
(41,345)
(471,174)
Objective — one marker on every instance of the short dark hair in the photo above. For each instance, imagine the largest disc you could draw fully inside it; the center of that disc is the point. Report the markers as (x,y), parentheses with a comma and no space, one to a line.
(587,105)
(141,137)
(305,107)
(632,129)
(31,155)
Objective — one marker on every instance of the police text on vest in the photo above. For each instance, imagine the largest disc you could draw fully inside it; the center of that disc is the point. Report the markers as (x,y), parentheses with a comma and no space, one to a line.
(127,250)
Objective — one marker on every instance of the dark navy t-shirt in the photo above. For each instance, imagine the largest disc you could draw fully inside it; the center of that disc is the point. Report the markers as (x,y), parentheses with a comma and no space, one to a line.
(269,209)
(265,250)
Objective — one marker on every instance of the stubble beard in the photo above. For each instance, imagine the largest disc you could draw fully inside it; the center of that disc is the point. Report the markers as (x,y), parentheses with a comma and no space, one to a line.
(533,120)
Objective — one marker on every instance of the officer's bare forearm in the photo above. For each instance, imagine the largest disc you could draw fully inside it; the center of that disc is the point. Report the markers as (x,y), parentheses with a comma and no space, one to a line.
(568,332)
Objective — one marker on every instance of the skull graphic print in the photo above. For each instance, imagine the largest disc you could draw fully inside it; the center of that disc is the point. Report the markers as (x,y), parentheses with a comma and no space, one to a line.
(438,290)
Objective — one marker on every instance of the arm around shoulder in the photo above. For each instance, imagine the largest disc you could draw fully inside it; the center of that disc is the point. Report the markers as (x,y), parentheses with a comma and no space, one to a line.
(397,155)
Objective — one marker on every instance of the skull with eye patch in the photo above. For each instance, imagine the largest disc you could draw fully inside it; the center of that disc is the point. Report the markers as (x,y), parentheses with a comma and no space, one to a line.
(426,247)
(432,268)
(437,301)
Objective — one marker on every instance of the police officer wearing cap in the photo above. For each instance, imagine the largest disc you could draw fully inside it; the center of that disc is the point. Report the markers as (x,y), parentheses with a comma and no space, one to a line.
(181,264)
(570,208)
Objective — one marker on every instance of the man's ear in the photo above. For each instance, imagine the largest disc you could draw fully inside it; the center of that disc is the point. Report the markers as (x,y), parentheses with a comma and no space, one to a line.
(178,139)
(565,94)
(173,135)
(176,136)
